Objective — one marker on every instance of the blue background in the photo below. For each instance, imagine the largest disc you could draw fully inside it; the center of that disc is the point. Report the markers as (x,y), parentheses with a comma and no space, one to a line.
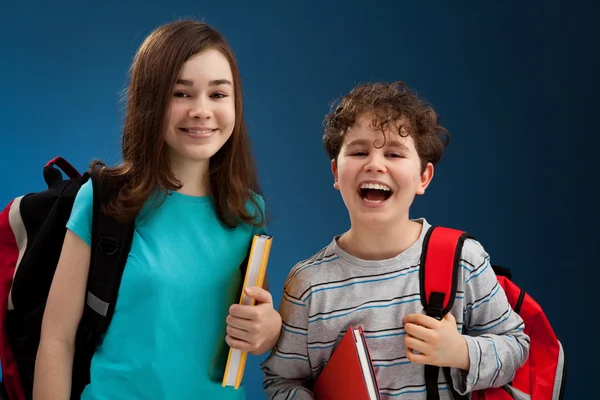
(515,83)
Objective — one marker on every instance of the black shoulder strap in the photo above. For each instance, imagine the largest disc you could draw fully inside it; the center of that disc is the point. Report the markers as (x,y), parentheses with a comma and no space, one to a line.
(438,276)
(111,242)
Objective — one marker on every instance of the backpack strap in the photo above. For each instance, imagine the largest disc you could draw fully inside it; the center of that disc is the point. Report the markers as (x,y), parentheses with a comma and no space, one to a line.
(438,279)
(111,243)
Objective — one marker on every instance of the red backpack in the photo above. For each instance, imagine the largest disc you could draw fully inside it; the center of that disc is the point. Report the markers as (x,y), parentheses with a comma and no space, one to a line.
(543,375)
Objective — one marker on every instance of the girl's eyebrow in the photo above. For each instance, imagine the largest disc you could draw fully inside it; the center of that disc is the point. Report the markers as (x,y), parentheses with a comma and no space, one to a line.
(216,82)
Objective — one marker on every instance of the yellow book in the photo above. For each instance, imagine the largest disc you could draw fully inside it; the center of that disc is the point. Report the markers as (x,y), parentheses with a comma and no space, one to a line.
(255,275)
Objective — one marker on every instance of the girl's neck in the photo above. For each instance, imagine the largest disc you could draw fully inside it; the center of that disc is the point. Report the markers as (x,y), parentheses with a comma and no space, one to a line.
(193,176)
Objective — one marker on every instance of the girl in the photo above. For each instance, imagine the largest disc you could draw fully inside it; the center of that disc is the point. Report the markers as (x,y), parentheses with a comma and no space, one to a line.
(189,183)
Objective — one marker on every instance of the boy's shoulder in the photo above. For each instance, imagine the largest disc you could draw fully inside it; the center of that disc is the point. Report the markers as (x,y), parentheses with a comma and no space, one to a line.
(305,272)
(475,262)
(473,254)
(473,251)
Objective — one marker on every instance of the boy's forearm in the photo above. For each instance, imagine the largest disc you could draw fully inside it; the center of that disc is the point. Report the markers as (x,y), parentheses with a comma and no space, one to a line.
(287,371)
(278,388)
(287,374)
(494,359)
(294,392)
(463,356)
(53,371)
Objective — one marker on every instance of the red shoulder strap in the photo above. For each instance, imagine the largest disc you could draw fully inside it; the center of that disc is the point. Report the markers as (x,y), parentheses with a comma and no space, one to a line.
(438,278)
(439,269)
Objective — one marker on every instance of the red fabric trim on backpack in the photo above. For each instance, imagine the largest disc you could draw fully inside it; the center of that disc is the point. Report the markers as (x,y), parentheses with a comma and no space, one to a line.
(491,394)
(10,255)
(63,164)
(538,375)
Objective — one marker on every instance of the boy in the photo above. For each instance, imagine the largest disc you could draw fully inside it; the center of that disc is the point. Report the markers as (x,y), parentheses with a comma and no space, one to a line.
(383,142)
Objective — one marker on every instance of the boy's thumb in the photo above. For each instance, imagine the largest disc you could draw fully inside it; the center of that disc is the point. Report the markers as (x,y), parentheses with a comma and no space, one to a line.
(449,317)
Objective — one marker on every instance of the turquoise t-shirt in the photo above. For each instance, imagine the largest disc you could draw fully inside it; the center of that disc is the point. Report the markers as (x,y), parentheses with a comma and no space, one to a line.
(181,276)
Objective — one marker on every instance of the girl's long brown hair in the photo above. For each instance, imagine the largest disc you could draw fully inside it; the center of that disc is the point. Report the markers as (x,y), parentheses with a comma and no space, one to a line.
(146,167)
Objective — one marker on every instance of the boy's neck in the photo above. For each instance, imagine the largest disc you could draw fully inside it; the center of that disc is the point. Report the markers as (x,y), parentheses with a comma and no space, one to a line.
(380,243)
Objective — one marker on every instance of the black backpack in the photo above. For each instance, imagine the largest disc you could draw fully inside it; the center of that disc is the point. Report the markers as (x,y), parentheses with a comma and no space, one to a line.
(32,230)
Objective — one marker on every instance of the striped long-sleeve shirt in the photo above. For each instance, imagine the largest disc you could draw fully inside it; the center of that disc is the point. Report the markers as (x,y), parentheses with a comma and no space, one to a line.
(332,290)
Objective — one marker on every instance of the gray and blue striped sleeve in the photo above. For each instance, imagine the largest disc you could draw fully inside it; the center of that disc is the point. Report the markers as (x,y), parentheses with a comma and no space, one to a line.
(287,371)
(497,344)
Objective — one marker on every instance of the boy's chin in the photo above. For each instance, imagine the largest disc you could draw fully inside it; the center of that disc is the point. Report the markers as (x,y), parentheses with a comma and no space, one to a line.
(374,218)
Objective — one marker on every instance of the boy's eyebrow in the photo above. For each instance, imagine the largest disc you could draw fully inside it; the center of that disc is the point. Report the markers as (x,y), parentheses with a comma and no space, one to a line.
(390,143)
(395,143)
(216,82)
(358,142)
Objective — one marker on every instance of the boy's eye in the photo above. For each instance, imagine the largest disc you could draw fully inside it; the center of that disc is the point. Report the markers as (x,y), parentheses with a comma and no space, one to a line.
(395,155)
(359,153)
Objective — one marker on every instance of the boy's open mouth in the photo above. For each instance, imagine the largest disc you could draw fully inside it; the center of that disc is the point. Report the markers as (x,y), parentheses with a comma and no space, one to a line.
(374,192)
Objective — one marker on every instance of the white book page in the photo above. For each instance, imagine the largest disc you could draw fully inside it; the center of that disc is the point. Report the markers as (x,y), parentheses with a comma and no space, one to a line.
(365,364)
(254,265)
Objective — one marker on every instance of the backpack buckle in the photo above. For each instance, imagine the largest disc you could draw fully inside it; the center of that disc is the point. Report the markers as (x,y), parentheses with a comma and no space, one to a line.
(435,306)
(109,244)
(435,312)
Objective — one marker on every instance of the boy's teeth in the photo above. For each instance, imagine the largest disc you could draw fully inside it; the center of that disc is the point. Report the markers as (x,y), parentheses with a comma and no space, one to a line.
(373,201)
(375,186)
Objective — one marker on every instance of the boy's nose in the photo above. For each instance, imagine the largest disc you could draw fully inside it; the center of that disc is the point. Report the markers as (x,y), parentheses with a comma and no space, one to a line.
(375,164)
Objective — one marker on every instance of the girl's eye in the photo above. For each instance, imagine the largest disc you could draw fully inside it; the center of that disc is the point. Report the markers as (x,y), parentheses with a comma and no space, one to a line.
(218,95)
(181,95)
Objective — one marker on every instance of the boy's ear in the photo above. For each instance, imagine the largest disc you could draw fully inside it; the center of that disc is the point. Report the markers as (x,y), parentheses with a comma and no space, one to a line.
(334,171)
(426,178)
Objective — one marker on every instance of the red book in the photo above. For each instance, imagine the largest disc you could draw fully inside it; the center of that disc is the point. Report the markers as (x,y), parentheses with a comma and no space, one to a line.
(349,372)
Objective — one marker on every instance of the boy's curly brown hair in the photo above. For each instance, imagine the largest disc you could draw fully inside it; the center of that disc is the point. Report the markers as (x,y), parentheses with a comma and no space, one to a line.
(387,104)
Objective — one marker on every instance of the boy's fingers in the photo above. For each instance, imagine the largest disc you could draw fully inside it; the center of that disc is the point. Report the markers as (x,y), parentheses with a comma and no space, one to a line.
(415,344)
(450,318)
(417,331)
(421,319)
(415,358)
